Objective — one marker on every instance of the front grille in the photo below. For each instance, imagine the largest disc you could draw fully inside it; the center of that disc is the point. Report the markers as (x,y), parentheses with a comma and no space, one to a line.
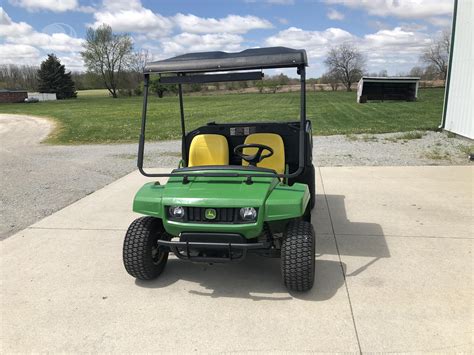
(197,215)
(223,215)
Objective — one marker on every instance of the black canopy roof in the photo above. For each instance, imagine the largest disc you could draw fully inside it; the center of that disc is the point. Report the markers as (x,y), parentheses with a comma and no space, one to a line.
(258,58)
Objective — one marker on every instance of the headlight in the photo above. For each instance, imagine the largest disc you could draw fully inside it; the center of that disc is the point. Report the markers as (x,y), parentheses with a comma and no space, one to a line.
(248,214)
(176,211)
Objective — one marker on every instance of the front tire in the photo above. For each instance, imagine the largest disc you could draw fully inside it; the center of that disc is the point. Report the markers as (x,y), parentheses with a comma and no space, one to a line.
(142,257)
(297,256)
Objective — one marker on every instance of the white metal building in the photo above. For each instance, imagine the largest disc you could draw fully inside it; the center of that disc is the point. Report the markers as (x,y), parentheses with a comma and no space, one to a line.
(41,96)
(458,113)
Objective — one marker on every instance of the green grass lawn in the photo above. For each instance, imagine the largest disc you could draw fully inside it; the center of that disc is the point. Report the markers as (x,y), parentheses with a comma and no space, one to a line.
(96,118)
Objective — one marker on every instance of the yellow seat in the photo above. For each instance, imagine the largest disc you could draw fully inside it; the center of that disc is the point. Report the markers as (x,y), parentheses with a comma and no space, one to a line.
(274,141)
(208,149)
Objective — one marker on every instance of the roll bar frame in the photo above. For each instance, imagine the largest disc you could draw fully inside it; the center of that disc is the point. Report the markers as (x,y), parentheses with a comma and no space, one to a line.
(186,173)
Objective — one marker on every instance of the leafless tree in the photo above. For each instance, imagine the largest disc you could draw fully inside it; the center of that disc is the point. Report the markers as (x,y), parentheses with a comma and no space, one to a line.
(139,60)
(416,71)
(14,76)
(437,53)
(331,79)
(107,54)
(346,63)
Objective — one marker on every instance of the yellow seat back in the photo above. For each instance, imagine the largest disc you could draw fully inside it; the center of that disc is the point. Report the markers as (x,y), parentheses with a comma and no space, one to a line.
(208,149)
(274,141)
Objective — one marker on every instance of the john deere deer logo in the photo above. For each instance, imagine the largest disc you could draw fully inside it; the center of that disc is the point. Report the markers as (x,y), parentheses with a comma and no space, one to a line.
(210,213)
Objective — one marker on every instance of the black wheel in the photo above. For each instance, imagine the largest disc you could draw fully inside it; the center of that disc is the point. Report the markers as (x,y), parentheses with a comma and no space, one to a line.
(297,256)
(142,257)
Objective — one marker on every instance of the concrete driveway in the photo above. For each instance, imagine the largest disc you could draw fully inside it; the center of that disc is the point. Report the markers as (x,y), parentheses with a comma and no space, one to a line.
(394,274)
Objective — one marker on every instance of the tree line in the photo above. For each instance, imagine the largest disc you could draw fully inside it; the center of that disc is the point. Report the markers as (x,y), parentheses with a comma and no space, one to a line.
(130,83)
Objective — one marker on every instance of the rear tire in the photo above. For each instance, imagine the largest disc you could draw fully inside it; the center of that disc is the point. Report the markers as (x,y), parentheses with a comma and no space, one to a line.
(297,256)
(142,257)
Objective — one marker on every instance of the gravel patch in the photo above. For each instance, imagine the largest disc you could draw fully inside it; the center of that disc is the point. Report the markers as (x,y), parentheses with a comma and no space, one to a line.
(391,149)
(42,180)
(38,179)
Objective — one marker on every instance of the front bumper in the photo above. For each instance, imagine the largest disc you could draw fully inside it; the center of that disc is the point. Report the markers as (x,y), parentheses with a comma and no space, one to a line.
(247,230)
(212,247)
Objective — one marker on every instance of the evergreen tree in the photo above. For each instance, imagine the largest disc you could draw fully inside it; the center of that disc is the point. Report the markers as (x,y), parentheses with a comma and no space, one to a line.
(52,78)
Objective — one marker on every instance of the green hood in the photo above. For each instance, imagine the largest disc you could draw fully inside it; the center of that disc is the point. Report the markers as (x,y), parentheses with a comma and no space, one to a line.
(218,192)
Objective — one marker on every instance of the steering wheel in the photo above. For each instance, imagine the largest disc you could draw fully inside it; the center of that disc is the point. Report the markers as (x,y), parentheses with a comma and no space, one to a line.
(253,159)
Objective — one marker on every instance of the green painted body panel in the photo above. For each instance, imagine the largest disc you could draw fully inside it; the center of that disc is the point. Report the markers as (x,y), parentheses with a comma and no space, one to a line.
(286,202)
(148,200)
(274,200)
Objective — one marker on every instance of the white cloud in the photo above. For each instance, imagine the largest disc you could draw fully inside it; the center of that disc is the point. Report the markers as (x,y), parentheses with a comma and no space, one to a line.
(440,21)
(23,34)
(335,15)
(73,62)
(412,26)
(86,9)
(396,39)
(18,53)
(400,8)
(190,42)
(315,42)
(10,28)
(117,5)
(134,20)
(229,24)
(282,20)
(51,5)
(395,49)
(131,16)
(378,25)
(56,42)
(24,45)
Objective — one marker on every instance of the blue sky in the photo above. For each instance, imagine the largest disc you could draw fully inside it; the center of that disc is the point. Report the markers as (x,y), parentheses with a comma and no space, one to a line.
(390,33)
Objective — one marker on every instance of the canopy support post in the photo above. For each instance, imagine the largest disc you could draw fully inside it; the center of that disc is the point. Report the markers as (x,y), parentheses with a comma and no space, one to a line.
(183,127)
(141,142)
(301,163)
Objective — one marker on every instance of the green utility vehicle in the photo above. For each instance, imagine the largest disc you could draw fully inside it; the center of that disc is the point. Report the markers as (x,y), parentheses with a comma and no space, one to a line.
(241,188)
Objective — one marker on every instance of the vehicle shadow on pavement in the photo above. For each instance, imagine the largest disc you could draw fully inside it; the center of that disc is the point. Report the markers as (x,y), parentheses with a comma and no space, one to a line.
(355,239)
(256,278)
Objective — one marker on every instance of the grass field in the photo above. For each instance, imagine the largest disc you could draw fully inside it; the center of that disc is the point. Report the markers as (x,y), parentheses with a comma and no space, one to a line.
(96,118)
(94,92)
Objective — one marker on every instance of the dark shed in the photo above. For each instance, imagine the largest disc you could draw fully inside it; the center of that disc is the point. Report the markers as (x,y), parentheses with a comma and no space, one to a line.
(387,88)
(11,96)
